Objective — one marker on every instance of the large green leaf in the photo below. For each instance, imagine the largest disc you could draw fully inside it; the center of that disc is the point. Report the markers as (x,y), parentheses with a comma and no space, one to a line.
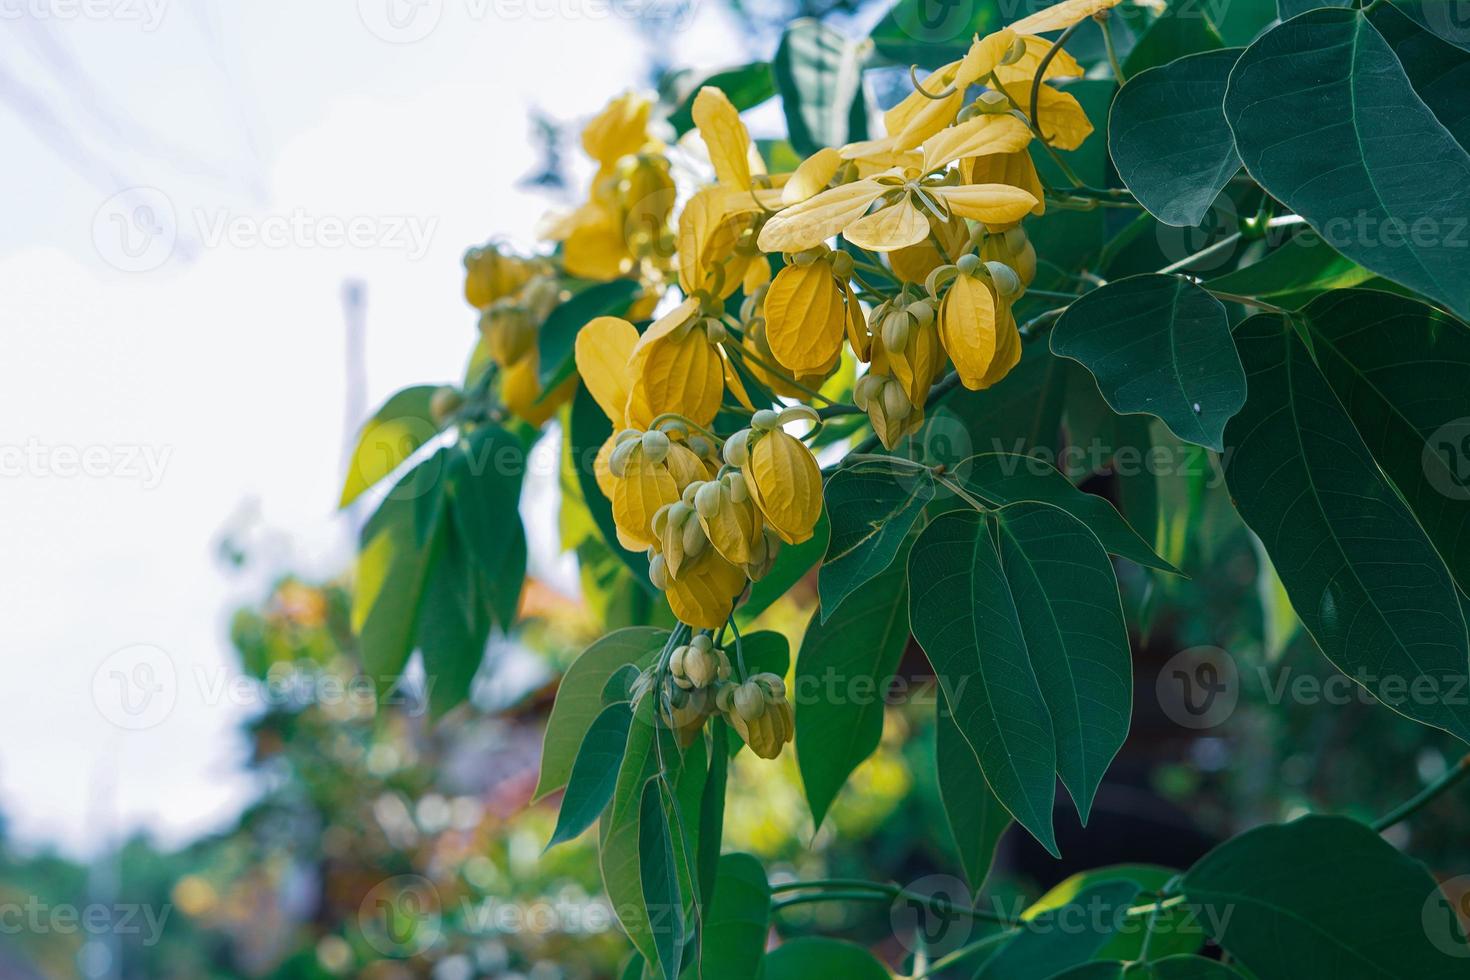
(1322,897)
(712,809)
(588,429)
(1361,574)
(842,677)
(1290,8)
(1445,18)
(392,565)
(976,818)
(923,33)
(1438,71)
(485,481)
(733,933)
(1326,119)
(1401,368)
(454,623)
(817,956)
(963,615)
(1182,29)
(1158,345)
(1190,968)
(1169,140)
(746,86)
(819,73)
(1058,939)
(659,873)
(872,507)
(558,334)
(579,699)
(594,773)
(1174,930)
(1008,478)
(402,425)
(1291,274)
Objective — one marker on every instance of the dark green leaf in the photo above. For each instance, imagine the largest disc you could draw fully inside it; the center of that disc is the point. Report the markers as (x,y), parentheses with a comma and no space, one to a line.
(579,698)
(558,333)
(595,772)
(746,87)
(963,615)
(712,809)
(1402,371)
(735,922)
(588,430)
(1175,931)
(485,483)
(816,956)
(1007,478)
(402,425)
(1292,274)
(454,624)
(1445,18)
(1169,140)
(819,75)
(1158,345)
(1360,573)
(1190,968)
(1438,71)
(1021,414)
(872,507)
(1062,938)
(1322,897)
(976,818)
(1182,29)
(658,865)
(842,678)
(1290,8)
(1326,119)
(929,34)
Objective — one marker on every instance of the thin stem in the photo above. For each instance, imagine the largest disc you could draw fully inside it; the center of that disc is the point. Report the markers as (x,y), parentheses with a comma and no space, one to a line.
(745,354)
(1207,252)
(1246,300)
(1416,803)
(1105,22)
(837,409)
(1046,60)
(857,890)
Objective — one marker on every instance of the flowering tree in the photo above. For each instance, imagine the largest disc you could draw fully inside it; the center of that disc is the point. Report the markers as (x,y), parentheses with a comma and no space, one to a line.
(761,356)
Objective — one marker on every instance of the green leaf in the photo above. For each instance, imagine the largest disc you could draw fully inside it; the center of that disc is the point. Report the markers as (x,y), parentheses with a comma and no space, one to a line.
(963,615)
(842,677)
(746,86)
(1402,371)
(1446,19)
(1438,70)
(873,507)
(1292,274)
(1241,21)
(733,937)
(1169,140)
(402,425)
(1058,939)
(1290,8)
(1191,968)
(976,818)
(818,956)
(594,773)
(454,624)
(712,809)
(819,74)
(1326,120)
(579,699)
(1322,897)
(485,481)
(1158,345)
(1007,478)
(587,431)
(793,562)
(1182,29)
(1175,930)
(658,866)
(558,333)
(392,565)
(1361,574)
(1020,414)
(919,32)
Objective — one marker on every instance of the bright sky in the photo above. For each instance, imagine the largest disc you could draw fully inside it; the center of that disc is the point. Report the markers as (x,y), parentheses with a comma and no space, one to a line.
(156,386)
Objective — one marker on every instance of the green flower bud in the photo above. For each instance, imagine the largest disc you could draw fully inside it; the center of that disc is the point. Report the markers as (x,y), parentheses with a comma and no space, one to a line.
(749,700)
(795,413)
(655,446)
(842,265)
(992,103)
(1007,283)
(737,448)
(658,572)
(764,420)
(707,499)
(967,264)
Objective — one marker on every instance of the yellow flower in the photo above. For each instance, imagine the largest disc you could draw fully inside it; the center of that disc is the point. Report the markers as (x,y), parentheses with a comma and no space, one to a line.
(677,368)
(892,414)
(520,390)
(759,712)
(1013,248)
(704,592)
(783,477)
(914,263)
(1015,169)
(620,129)
(976,326)
(1061,16)
(808,308)
(728,516)
(907,334)
(491,274)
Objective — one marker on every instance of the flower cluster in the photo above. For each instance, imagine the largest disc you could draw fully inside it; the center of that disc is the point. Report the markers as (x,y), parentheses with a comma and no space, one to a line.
(849,286)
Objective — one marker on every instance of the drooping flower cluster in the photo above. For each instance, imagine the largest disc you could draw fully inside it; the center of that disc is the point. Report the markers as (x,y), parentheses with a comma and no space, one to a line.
(853,283)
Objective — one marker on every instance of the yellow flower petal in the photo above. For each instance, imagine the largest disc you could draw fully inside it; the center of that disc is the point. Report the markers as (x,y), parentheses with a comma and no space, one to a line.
(667,324)
(913,264)
(967,328)
(897,118)
(618,130)
(1062,64)
(990,203)
(595,248)
(680,374)
(812,176)
(933,116)
(709,228)
(705,591)
(603,348)
(857,326)
(784,478)
(1061,118)
(520,389)
(733,382)
(1007,352)
(981,136)
(601,466)
(983,57)
(643,488)
(732,529)
(1060,16)
(898,225)
(804,317)
(757,274)
(1016,169)
(725,135)
(813,221)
